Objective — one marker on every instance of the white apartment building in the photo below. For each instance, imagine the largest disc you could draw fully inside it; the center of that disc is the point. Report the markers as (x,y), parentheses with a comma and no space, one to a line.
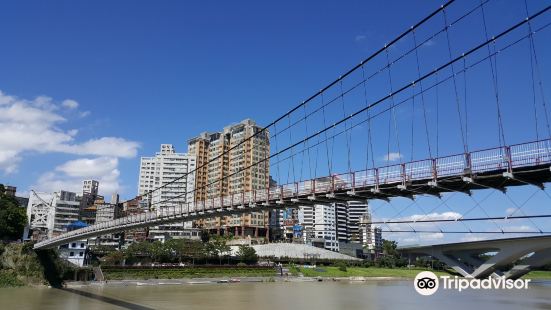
(74,252)
(306,220)
(356,210)
(331,224)
(165,167)
(50,214)
(325,226)
(90,187)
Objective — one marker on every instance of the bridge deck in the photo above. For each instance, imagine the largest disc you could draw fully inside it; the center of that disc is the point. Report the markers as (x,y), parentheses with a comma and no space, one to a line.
(499,168)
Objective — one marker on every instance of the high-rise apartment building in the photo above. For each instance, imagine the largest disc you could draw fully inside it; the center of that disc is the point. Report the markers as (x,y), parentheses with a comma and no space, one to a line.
(90,187)
(332,225)
(325,226)
(172,170)
(356,210)
(226,166)
(175,172)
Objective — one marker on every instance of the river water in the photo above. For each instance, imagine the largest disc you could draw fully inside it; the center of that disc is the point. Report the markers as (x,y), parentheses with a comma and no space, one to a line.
(278,295)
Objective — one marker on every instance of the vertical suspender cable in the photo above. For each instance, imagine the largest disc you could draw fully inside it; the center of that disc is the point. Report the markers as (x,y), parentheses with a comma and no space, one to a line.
(392,115)
(493,67)
(347,132)
(465,148)
(537,71)
(422,94)
(369,144)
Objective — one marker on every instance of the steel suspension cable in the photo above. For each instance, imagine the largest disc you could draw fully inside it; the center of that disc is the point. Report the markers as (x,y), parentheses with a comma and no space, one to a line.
(429,74)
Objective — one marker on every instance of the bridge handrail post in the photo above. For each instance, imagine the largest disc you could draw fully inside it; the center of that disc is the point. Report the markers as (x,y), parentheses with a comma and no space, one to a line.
(509,159)
(353,181)
(377,179)
(468,169)
(332,183)
(313,186)
(403,172)
(434,169)
(296,189)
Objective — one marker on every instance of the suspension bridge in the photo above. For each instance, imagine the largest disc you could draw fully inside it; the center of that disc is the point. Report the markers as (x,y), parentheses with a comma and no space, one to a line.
(442,102)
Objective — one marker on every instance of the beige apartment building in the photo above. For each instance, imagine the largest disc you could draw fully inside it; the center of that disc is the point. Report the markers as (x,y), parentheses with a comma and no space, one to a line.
(221,172)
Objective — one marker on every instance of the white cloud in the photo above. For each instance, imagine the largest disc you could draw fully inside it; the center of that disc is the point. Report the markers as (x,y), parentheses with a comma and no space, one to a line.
(70,104)
(392,156)
(106,146)
(519,228)
(429,43)
(411,238)
(89,167)
(360,38)
(510,211)
(69,176)
(34,126)
(84,114)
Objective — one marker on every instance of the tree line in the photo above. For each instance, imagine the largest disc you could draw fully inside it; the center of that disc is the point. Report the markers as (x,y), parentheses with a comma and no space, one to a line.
(213,250)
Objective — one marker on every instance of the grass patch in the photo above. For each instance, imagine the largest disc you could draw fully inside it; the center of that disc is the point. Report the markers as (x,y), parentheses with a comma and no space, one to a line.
(360,272)
(538,275)
(195,272)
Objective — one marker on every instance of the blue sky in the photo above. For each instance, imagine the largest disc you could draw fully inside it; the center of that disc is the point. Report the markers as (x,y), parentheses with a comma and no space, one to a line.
(103,82)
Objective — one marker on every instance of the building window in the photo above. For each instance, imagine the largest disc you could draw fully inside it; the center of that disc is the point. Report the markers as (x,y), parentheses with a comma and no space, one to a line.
(81,254)
(71,254)
(82,245)
(73,245)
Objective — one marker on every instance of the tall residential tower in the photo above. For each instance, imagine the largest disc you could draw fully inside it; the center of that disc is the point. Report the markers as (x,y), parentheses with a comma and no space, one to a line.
(226,166)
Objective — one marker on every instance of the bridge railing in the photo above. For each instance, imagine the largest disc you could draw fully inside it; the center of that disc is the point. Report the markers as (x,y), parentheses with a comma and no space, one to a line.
(533,153)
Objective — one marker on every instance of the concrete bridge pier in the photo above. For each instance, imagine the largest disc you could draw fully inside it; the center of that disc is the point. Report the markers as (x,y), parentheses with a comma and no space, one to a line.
(538,259)
(464,258)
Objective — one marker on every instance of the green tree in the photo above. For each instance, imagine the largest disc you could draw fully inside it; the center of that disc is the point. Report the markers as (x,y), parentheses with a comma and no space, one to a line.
(159,252)
(195,250)
(12,217)
(137,250)
(217,247)
(247,254)
(389,247)
(114,258)
(177,248)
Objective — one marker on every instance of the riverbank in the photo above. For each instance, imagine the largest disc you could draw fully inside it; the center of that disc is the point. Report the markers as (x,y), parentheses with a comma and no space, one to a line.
(187,272)
(225,280)
(360,272)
